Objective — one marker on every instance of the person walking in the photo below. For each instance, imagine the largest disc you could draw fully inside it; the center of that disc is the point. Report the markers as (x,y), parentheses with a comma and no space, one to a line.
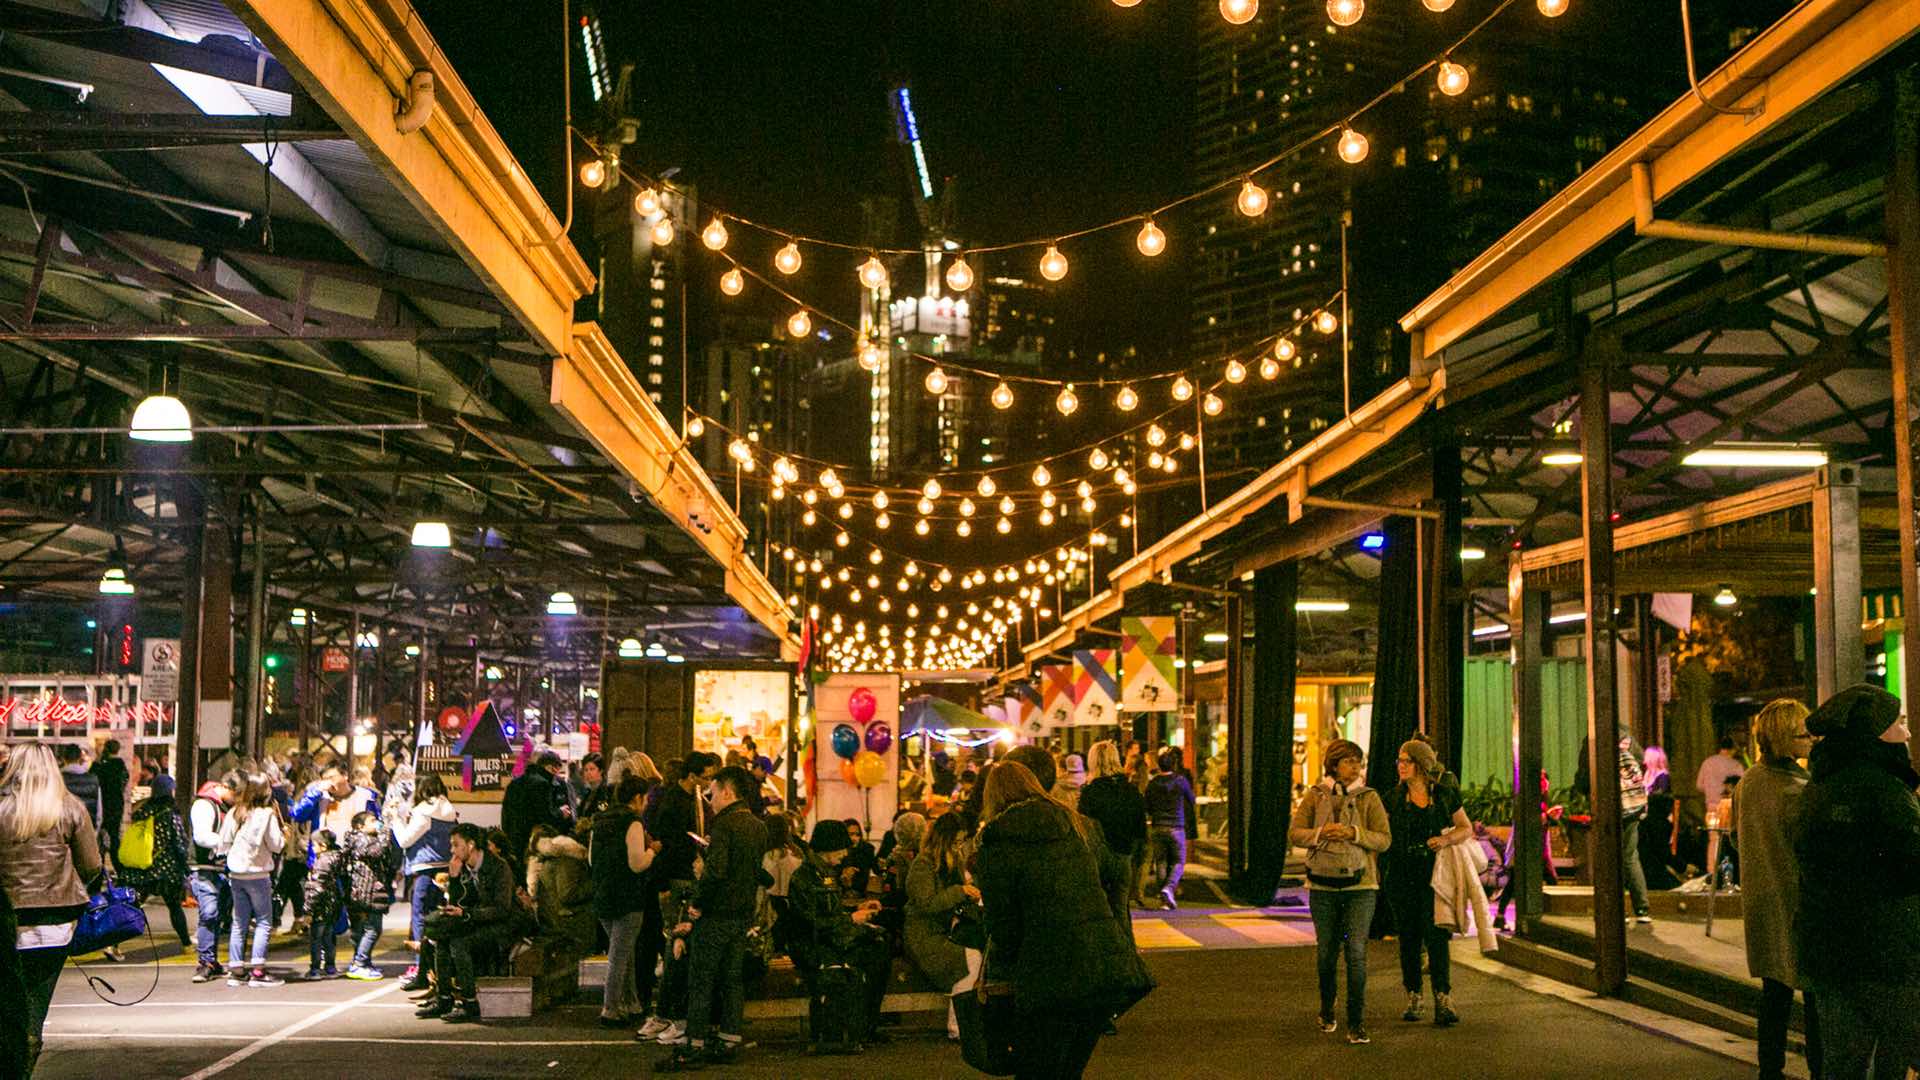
(619,854)
(207,875)
(940,898)
(1072,778)
(325,894)
(1343,825)
(1766,804)
(1111,799)
(252,836)
(165,875)
(1424,815)
(1170,816)
(1633,810)
(424,849)
(112,775)
(676,815)
(49,861)
(1050,932)
(1857,845)
(723,904)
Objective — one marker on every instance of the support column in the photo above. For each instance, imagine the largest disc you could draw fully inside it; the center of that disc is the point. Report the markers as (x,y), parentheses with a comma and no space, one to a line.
(1268,750)
(215,675)
(1603,722)
(1839,656)
(192,515)
(353,685)
(1189,718)
(1236,721)
(1527,619)
(1903,317)
(422,672)
(254,725)
(1443,616)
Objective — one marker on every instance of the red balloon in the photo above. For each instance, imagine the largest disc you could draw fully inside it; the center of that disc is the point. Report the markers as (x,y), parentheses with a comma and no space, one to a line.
(861,705)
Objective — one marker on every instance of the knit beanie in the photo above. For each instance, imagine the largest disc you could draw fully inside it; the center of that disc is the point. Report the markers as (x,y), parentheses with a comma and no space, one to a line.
(1337,751)
(1861,710)
(1421,754)
(830,835)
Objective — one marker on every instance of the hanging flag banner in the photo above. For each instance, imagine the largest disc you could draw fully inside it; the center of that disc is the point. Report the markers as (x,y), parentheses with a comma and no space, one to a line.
(1147,646)
(1056,694)
(1023,717)
(1096,687)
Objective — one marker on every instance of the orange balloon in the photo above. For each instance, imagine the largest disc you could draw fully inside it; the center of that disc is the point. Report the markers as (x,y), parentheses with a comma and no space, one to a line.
(847,773)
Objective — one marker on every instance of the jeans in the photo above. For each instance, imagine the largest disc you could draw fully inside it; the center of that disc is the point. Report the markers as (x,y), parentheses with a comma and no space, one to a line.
(252,905)
(210,893)
(716,949)
(456,958)
(363,929)
(320,946)
(1412,905)
(1866,1024)
(1169,848)
(427,897)
(40,973)
(1055,1045)
(1630,863)
(617,999)
(1340,923)
(1776,1014)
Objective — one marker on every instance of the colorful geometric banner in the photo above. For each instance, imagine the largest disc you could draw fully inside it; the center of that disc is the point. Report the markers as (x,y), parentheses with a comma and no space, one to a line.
(1148,644)
(1056,694)
(1096,687)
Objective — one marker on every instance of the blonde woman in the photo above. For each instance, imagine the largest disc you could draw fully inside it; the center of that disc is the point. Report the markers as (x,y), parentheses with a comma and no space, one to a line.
(1765,804)
(253,834)
(49,857)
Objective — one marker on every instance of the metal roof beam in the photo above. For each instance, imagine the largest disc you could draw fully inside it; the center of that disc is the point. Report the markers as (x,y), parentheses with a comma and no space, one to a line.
(146,46)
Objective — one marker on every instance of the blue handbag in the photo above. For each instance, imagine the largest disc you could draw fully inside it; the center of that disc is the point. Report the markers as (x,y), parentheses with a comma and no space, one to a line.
(113,915)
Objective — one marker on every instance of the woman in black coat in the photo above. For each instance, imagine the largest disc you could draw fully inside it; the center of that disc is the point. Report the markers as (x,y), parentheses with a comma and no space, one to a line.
(1049,930)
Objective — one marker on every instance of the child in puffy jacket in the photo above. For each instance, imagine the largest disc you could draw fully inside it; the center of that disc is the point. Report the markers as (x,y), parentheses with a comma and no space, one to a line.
(368,874)
(324,893)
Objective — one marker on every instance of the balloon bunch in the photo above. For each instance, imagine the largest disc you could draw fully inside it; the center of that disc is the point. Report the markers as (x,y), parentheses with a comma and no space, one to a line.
(861,765)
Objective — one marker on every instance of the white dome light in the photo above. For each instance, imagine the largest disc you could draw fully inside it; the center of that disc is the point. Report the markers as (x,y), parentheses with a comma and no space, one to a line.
(161,418)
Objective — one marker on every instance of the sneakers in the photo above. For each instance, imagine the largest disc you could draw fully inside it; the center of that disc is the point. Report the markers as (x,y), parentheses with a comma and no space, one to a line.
(1643,918)
(652,1029)
(1357,1036)
(259,979)
(236,978)
(675,1035)
(416,982)
(465,1012)
(365,974)
(1443,1014)
(1327,1024)
(1416,1007)
(208,972)
(1167,901)
(434,1009)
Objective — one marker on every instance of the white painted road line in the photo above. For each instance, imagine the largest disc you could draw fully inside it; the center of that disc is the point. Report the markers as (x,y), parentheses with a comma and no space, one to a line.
(174,1036)
(288,1032)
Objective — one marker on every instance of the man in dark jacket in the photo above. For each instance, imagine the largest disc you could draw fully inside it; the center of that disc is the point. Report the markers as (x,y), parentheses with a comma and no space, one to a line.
(111,772)
(1170,817)
(673,818)
(534,798)
(722,909)
(474,922)
(827,934)
(81,784)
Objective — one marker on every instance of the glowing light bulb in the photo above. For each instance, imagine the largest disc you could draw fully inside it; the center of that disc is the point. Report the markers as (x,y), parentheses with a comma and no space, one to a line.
(1097,460)
(1452,78)
(1352,146)
(1047,499)
(1068,401)
(880,500)
(1053,265)
(1252,200)
(921,528)
(882,520)
(1186,440)
(1046,517)
(714,235)
(873,273)
(872,355)
(787,259)
(841,539)
(800,324)
(646,202)
(1552,9)
(662,232)
(875,557)
(1269,368)
(1126,3)
(931,489)
(959,275)
(1212,404)
(696,427)
(740,450)
(987,487)
(1437,5)
(1182,389)
(1156,435)
(966,508)
(844,511)
(965,528)
(1345,12)
(1127,399)
(1006,504)
(732,282)
(1172,464)
(1155,459)
(1239,12)
(1003,526)
(937,381)
(1284,349)
(1002,396)
(1087,504)
(1041,477)
(1085,489)
(1326,321)
(924,506)
(1236,371)
(1151,240)
(593,173)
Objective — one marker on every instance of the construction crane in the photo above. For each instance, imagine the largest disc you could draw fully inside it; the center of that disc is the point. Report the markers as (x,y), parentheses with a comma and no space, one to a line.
(935,211)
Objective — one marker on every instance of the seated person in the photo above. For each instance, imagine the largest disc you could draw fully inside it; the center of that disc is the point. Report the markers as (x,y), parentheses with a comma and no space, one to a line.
(857,873)
(827,933)
(472,924)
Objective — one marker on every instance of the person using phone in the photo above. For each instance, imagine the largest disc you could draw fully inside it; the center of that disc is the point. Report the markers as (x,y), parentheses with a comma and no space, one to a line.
(473,922)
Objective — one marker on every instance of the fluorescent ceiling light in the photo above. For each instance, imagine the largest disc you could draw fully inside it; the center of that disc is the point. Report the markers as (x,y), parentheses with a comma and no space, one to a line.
(561,603)
(676,658)
(432,534)
(1321,605)
(630,648)
(1214,637)
(1571,616)
(161,418)
(368,639)
(413,650)
(1561,457)
(299,617)
(1757,457)
(1472,554)
(1491,631)
(1373,541)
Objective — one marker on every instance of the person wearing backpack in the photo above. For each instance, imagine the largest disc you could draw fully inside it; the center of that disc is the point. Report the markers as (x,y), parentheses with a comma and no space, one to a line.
(152,854)
(1343,825)
(207,873)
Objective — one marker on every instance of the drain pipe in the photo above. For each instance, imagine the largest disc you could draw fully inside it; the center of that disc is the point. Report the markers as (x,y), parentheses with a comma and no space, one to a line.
(411,113)
(1645,224)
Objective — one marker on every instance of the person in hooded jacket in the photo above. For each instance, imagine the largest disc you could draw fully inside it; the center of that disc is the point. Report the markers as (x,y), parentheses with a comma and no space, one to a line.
(1050,930)
(369,885)
(620,853)
(561,887)
(1112,800)
(166,876)
(1857,842)
(423,838)
(1343,913)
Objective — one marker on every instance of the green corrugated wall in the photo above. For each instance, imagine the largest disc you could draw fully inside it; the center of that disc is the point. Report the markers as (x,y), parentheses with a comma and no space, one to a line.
(1488,753)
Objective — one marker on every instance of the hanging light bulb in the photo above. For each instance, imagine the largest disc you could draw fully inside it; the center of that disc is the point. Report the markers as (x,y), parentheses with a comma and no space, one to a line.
(800,324)
(787,259)
(1284,349)
(1186,440)
(1252,200)
(1097,460)
(1155,459)
(1120,475)
(882,520)
(959,274)
(1269,368)
(921,528)
(1182,389)
(1053,265)
(160,418)
(1211,404)
(873,273)
(809,518)
(1236,371)
(841,539)
(662,232)
(1552,9)
(880,500)
(1006,504)
(646,202)
(872,356)
(593,173)
(937,381)
(1046,517)
(1151,240)
(1345,12)
(1172,464)
(1002,396)
(1041,477)
(715,234)
(1239,12)
(1087,505)
(987,487)
(1068,401)
(925,506)
(931,489)
(1325,321)
(875,557)
(732,282)
(1127,399)
(844,511)
(965,528)
(696,427)
(1437,5)
(740,450)
(1084,489)
(1352,146)
(966,507)
(1452,78)
(1156,435)
(1047,499)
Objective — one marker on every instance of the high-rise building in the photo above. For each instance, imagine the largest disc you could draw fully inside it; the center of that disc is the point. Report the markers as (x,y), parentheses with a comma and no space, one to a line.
(642,302)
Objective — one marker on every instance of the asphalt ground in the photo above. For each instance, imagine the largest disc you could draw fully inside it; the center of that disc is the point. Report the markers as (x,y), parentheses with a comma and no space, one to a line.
(1231,1009)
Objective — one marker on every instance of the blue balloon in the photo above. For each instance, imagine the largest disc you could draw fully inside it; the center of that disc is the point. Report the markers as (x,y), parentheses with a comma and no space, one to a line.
(846,741)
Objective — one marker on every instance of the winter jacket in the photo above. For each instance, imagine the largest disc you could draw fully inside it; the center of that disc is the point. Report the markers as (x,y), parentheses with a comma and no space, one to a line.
(252,844)
(207,819)
(1049,929)
(531,800)
(111,773)
(84,786)
(318,809)
(1121,810)
(562,888)
(51,870)
(670,817)
(325,888)
(167,876)
(823,932)
(425,836)
(1372,832)
(729,882)
(1857,842)
(1169,799)
(485,893)
(618,889)
(931,900)
(1766,806)
(369,871)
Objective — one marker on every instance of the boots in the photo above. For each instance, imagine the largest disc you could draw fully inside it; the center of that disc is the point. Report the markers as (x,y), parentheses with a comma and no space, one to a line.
(1443,1014)
(1416,1007)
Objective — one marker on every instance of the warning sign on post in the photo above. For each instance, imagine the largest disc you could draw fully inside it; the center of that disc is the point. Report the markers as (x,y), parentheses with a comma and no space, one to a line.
(160,670)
